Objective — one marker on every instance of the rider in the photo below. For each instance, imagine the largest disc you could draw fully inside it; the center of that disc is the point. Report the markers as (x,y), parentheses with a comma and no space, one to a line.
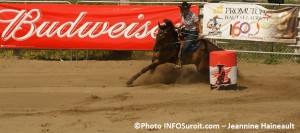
(189,29)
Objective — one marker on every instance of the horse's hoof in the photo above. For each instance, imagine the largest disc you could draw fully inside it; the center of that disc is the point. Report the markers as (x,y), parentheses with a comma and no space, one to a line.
(129,83)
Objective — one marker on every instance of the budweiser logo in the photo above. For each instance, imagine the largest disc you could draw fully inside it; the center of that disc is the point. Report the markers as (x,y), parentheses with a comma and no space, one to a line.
(25,24)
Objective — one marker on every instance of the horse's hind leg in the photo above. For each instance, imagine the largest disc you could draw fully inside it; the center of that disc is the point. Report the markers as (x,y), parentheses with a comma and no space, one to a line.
(203,66)
(203,69)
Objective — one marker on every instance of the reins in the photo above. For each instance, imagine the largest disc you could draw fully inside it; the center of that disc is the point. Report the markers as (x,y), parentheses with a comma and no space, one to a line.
(164,47)
(172,45)
(167,46)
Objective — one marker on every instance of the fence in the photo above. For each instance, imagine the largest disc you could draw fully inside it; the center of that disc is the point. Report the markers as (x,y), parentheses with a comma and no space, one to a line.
(260,52)
(264,52)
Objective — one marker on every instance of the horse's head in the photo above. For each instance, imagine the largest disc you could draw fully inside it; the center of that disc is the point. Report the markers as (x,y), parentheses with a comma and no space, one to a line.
(166,36)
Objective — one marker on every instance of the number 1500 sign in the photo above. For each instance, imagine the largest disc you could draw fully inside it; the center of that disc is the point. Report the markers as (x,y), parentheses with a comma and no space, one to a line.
(243,28)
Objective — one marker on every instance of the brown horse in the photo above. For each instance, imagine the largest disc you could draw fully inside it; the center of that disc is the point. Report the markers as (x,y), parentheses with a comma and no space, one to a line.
(166,49)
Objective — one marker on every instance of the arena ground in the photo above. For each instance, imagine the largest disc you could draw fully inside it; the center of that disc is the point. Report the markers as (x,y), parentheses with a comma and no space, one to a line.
(91,97)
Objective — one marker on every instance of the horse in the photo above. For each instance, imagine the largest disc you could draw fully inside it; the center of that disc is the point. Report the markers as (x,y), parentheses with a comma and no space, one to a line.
(167,47)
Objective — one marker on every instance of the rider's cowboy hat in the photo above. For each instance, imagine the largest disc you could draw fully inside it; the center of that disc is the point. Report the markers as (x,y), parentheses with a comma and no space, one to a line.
(184,5)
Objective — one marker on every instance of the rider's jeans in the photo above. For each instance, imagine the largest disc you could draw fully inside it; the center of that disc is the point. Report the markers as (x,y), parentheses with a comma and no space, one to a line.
(190,37)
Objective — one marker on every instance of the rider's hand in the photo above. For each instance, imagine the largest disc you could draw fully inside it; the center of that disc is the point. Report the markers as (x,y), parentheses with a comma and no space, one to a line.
(201,36)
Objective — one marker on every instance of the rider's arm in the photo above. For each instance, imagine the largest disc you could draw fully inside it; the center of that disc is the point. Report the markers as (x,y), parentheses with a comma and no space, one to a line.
(181,25)
(196,20)
(199,28)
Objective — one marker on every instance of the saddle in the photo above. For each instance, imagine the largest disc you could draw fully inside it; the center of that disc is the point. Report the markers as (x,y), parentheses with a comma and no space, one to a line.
(196,43)
(194,46)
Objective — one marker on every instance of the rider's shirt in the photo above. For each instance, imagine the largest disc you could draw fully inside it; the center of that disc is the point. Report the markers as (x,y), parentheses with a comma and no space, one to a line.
(189,21)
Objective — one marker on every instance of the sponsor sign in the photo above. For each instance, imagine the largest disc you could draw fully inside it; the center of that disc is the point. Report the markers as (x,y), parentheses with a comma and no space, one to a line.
(64,26)
(250,22)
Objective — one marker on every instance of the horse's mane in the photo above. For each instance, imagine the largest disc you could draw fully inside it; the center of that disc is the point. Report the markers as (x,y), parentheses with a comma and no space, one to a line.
(170,28)
(169,23)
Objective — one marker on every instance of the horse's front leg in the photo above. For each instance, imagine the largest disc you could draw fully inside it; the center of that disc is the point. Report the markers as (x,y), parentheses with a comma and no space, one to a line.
(154,59)
(133,78)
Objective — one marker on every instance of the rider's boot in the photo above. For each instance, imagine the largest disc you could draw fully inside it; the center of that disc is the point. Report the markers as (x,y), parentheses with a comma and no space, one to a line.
(178,65)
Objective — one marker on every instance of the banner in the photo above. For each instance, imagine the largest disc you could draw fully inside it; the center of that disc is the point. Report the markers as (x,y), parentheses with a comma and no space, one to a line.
(63,26)
(250,22)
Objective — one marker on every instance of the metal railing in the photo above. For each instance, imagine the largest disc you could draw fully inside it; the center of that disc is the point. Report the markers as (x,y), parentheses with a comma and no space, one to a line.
(34,1)
(291,50)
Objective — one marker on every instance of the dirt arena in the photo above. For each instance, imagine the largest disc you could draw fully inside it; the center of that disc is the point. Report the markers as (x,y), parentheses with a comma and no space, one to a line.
(91,97)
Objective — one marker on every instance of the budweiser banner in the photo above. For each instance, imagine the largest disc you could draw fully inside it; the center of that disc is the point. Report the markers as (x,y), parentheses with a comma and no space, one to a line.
(63,26)
(250,22)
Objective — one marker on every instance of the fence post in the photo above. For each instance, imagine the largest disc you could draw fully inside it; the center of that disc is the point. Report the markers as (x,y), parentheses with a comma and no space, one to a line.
(16,53)
(297,49)
(76,56)
(71,55)
(87,55)
(60,55)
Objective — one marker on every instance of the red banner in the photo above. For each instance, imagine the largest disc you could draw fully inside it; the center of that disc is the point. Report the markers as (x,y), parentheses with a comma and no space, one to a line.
(61,26)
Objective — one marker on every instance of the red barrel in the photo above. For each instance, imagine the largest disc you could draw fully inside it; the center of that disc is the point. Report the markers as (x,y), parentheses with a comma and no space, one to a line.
(223,70)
